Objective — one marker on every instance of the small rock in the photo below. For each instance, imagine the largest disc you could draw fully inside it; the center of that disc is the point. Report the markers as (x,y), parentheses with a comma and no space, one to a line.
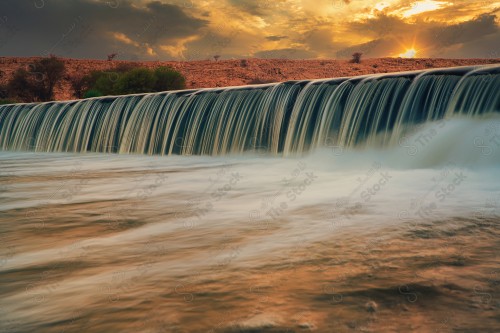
(371,306)
(306,326)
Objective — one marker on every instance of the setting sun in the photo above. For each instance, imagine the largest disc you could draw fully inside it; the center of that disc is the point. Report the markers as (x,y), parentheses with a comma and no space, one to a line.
(411,53)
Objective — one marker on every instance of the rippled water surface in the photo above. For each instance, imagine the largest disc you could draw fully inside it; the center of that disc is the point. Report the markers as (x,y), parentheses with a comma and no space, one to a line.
(334,241)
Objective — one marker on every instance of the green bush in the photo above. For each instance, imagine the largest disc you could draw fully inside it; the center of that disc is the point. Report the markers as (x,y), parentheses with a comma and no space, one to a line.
(130,79)
(138,80)
(6,101)
(168,79)
(105,82)
(92,93)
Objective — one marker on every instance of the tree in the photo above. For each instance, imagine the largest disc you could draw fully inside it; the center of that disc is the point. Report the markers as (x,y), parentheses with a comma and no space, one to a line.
(4,95)
(21,86)
(356,57)
(112,56)
(47,72)
(37,83)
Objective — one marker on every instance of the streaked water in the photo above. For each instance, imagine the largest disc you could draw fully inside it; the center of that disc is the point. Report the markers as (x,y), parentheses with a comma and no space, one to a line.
(284,118)
(133,243)
(383,217)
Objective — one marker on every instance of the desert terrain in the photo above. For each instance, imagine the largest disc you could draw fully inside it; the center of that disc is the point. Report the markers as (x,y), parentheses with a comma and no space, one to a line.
(223,73)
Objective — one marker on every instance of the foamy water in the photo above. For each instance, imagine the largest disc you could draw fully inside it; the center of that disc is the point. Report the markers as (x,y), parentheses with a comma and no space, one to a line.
(128,243)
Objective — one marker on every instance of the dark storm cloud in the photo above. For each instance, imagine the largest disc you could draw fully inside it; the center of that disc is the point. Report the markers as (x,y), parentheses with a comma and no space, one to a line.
(187,29)
(478,38)
(275,38)
(464,32)
(87,28)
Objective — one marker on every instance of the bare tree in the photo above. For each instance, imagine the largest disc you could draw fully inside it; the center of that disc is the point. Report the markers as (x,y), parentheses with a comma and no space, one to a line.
(356,57)
(112,56)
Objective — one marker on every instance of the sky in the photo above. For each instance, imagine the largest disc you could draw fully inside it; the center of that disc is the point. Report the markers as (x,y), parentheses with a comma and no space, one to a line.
(292,29)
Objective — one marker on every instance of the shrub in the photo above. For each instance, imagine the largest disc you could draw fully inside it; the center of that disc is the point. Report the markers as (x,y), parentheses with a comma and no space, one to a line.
(6,101)
(356,57)
(130,79)
(4,92)
(105,82)
(138,80)
(112,56)
(79,84)
(92,93)
(167,78)
(244,63)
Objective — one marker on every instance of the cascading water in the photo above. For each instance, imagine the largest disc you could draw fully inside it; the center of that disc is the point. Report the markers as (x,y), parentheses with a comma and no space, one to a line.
(388,223)
(282,118)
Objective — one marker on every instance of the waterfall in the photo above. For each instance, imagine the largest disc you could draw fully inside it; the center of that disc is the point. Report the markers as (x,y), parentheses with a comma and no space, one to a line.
(282,118)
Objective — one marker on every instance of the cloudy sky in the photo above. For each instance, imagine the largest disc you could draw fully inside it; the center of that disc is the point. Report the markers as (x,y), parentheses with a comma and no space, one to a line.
(200,29)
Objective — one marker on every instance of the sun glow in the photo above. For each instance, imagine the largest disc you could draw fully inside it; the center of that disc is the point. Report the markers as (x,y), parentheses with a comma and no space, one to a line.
(411,53)
(424,6)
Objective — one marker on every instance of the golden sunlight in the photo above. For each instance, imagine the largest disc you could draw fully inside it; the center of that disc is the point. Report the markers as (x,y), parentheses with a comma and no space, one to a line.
(411,53)
(423,6)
